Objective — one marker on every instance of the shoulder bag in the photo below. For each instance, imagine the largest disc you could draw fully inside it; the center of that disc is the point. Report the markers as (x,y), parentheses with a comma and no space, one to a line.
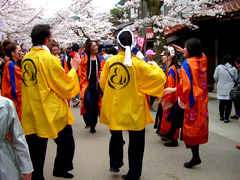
(235,91)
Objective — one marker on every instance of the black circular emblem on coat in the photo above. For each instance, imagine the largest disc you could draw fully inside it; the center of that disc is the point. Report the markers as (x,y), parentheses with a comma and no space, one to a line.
(119,76)
(29,73)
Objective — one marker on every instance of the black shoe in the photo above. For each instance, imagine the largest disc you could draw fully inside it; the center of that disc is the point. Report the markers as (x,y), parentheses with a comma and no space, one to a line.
(92,130)
(221,118)
(114,170)
(165,136)
(124,177)
(226,121)
(234,117)
(63,175)
(173,143)
(192,163)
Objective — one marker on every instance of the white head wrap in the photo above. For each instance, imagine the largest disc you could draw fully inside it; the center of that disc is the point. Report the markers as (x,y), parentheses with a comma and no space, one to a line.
(171,50)
(128,49)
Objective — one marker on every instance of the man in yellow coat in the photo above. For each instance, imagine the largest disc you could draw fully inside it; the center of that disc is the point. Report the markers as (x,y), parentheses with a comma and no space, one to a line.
(126,80)
(45,113)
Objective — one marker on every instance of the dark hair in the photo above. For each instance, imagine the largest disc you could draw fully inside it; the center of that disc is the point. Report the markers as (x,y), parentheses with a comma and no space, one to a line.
(238,60)
(87,45)
(54,43)
(125,38)
(10,47)
(5,43)
(112,50)
(24,50)
(75,47)
(39,33)
(2,52)
(227,59)
(194,47)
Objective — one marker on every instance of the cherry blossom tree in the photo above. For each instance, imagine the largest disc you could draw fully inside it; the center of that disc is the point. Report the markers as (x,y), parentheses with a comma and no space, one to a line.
(18,17)
(79,21)
(180,12)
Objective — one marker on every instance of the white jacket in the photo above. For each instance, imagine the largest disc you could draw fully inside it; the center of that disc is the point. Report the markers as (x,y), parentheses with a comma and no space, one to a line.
(14,157)
(224,80)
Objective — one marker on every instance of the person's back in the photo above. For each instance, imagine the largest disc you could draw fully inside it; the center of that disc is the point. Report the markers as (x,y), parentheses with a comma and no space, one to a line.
(225,74)
(125,80)
(125,93)
(198,65)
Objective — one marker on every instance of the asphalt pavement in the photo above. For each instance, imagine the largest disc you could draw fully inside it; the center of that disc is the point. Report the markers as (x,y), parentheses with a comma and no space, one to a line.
(220,157)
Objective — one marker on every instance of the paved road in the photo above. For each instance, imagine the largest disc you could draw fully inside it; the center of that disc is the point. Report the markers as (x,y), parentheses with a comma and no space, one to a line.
(220,157)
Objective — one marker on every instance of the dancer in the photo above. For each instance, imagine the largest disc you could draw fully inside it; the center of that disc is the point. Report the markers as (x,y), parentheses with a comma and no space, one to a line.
(193,98)
(90,90)
(12,76)
(125,80)
(167,102)
(45,113)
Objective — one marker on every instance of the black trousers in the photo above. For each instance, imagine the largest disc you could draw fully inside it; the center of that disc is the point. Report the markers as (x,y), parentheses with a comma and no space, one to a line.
(225,108)
(152,99)
(135,152)
(237,107)
(64,157)
(91,105)
(195,151)
(158,118)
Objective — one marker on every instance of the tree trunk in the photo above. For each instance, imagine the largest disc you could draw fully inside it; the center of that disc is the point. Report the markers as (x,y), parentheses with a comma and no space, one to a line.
(154,7)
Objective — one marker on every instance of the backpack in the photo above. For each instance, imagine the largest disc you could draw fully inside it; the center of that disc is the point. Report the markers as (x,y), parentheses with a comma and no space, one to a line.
(235,91)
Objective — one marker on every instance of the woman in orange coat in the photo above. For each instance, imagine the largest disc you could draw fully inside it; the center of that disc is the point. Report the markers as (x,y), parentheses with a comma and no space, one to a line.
(193,98)
(168,101)
(12,76)
(88,70)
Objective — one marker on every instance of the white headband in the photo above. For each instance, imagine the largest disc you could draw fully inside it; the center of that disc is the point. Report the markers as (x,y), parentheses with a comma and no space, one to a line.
(171,50)
(128,49)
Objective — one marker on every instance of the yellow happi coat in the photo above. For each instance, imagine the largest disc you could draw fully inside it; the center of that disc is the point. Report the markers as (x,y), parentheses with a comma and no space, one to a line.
(124,105)
(45,88)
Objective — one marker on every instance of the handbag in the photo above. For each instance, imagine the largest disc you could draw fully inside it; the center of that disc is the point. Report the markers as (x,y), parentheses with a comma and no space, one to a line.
(235,91)
(176,115)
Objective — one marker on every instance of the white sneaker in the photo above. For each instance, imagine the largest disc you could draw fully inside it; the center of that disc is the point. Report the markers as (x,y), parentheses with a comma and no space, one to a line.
(76,102)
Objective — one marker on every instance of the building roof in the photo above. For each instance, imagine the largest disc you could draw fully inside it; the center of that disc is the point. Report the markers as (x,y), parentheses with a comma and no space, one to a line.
(167,31)
(170,30)
(230,6)
(121,26)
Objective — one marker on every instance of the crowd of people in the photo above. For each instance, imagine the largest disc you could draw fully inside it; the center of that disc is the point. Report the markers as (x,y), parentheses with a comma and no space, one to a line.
(118,86)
